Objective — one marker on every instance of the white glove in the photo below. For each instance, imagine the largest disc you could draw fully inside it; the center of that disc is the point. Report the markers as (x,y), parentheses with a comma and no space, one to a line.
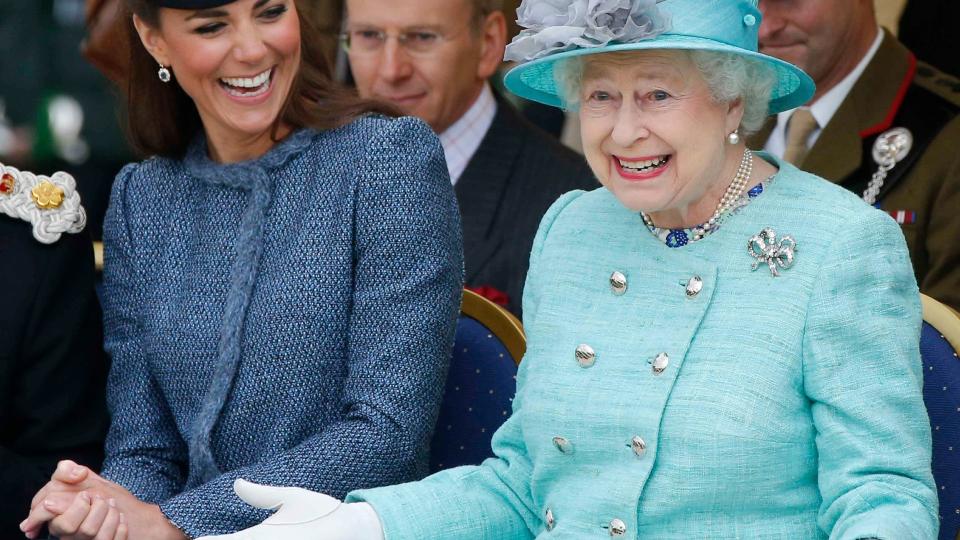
(304,515)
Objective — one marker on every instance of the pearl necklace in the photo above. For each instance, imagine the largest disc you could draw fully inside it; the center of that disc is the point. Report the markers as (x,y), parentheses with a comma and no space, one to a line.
(730,197)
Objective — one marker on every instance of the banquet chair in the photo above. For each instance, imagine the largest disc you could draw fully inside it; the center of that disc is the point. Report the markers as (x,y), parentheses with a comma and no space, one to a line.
(481,383)
(939,345)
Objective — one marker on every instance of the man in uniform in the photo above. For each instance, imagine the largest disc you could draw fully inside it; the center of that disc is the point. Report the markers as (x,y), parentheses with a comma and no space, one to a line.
(882,124)
(52,364)
(433,59)
(63,114)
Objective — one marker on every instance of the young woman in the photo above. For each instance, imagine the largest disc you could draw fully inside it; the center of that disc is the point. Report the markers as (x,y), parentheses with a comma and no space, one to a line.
(281,286)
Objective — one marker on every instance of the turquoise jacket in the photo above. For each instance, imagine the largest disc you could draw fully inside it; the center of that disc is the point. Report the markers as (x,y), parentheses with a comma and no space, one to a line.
(790,407)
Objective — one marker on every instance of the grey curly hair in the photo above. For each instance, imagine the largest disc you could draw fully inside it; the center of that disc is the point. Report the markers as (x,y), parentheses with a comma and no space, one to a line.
(729,77)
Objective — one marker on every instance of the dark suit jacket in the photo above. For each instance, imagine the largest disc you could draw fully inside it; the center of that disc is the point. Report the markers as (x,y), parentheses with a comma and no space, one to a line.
(515,175)
(895,90)
(52,365)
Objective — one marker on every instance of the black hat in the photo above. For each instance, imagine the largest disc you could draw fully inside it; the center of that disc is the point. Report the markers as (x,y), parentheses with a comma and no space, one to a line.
(190,4)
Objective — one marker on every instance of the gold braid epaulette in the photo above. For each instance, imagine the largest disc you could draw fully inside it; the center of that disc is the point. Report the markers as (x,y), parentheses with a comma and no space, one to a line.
(50,203)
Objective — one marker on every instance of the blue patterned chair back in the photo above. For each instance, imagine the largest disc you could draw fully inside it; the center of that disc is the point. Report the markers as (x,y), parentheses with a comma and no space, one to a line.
(481,383)
(939,344)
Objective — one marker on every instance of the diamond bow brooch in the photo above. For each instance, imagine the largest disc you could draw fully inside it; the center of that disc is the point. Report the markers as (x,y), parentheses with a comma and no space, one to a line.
(765,248)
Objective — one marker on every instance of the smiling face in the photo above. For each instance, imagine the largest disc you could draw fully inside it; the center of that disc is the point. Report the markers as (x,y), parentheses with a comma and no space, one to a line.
(825,38)
(237,63)
(436,81)
(654,136)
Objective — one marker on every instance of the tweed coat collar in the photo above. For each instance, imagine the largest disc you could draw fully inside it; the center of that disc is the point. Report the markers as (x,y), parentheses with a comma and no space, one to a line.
(238,175)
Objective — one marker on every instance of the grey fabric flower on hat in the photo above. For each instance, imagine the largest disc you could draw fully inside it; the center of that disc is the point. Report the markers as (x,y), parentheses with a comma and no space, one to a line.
(558,25)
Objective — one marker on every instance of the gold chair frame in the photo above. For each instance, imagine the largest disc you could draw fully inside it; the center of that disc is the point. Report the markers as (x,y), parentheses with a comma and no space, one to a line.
(944,319)
(501,322)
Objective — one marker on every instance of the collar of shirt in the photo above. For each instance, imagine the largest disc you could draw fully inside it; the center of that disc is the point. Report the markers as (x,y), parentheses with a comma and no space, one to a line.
(461,140)
(824,108)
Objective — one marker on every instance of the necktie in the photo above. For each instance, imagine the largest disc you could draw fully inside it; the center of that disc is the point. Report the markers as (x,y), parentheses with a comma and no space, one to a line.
(800,126)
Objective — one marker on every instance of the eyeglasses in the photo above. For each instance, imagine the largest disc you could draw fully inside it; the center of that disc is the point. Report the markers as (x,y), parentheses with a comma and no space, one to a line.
(371,41)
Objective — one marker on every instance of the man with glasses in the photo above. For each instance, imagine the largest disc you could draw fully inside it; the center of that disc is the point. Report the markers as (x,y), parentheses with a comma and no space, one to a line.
(432,59)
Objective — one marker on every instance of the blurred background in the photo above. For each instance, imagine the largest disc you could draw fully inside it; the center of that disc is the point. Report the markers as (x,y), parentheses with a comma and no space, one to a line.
(58,112)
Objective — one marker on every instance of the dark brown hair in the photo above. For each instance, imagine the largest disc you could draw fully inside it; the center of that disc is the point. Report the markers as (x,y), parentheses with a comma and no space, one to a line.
(162,118)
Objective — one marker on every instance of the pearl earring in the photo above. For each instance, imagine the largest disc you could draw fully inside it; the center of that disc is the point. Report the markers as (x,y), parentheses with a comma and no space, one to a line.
(164,74)
(734,137)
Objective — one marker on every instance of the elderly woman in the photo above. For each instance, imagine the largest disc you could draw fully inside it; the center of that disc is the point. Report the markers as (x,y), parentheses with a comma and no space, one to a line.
(720,345)
(281,288)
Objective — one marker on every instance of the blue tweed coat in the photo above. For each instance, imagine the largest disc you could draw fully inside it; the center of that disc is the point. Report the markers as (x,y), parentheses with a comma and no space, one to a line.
(288,320)
(790,408)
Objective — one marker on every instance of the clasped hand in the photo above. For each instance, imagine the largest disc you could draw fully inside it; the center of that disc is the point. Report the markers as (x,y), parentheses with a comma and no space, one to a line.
(78,504)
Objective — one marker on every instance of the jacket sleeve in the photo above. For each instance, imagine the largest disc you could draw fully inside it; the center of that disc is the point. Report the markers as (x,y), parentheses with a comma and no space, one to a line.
(144,451)
(941,278)
(862,373)
(53,403)
(408,268)
(491,501)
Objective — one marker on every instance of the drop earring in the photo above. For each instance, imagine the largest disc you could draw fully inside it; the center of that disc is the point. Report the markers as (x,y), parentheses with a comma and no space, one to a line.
(164,74)
(734,137)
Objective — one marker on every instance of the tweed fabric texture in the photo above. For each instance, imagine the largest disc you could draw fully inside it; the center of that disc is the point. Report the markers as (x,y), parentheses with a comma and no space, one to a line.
(286,320)
(791,406)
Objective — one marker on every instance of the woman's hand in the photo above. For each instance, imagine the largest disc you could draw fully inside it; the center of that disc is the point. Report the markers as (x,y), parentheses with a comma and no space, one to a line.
(66,484)
(304,515)
(69,500)
(89,518)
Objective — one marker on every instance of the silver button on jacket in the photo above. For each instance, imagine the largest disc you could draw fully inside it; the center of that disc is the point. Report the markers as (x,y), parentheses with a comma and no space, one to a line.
(694,286)
(548,518)
(586,356)
(660,363)
(563,445)
(639,446)
(618,528)
(618,283)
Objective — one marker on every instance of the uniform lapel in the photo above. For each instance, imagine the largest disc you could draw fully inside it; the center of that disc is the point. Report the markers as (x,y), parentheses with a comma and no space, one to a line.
(868,109)
(482,189)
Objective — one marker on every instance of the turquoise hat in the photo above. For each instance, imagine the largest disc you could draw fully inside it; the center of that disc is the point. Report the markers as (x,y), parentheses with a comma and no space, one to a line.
(558,29)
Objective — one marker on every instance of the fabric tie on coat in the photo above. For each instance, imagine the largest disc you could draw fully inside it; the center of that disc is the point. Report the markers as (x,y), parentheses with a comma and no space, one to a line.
(242,281)
(799,127)
(255,179)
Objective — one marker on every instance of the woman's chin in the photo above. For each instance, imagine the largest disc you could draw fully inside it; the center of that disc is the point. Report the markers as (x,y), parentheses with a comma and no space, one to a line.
(636,198)
(249,119)
(253,126)
(635,204)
